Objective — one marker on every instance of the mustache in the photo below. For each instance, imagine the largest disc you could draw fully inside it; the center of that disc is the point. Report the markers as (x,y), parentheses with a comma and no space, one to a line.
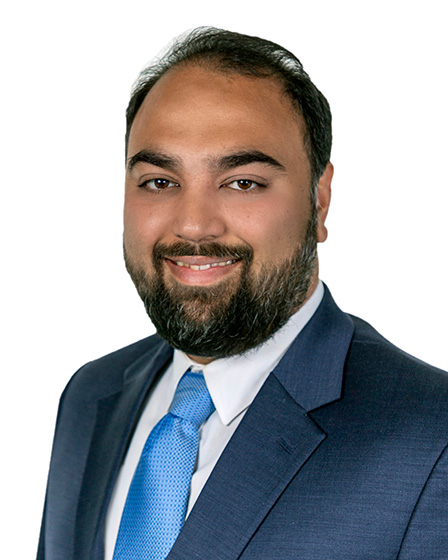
(211,249)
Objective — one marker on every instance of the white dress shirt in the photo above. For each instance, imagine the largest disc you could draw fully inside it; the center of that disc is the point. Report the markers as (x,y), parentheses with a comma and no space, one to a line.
(233,384)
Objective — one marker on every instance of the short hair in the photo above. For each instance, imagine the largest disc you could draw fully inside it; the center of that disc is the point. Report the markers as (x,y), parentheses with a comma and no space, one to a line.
(232,52)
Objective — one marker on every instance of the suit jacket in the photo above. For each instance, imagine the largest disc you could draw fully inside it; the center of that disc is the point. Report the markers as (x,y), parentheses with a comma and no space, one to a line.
(342,455)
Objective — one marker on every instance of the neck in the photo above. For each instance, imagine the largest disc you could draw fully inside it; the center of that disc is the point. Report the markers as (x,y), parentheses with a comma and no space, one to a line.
(201,359)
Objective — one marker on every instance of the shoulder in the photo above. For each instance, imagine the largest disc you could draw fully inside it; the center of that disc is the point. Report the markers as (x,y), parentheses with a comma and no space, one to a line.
(394,384)
(374,354)
(105,374)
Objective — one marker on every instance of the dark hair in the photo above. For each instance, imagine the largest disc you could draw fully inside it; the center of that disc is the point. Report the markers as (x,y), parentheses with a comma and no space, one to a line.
(232,52)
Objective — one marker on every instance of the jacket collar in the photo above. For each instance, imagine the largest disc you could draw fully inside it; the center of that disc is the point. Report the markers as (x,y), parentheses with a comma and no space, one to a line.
(312,370)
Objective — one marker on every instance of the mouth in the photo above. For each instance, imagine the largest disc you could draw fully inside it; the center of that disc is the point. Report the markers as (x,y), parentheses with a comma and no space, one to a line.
(205,266)
(200,270)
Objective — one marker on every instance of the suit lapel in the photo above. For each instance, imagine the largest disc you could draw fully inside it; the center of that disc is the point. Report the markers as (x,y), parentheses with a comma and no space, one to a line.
(313,368)
(272,443)
(116,416)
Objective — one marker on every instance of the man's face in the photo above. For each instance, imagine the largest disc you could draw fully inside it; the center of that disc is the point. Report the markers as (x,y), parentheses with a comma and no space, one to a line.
(218,210)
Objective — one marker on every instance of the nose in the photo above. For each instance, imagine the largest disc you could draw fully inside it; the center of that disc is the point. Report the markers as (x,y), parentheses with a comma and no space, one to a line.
(198,215)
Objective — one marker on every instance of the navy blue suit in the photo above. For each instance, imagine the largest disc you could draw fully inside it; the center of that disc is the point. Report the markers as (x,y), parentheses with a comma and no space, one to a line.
(341,456)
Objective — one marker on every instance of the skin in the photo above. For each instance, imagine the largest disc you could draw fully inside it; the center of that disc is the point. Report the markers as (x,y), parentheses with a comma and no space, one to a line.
(182,185)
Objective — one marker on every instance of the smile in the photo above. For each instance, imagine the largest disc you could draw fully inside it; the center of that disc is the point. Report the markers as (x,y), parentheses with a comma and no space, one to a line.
(205,266)
(199,270)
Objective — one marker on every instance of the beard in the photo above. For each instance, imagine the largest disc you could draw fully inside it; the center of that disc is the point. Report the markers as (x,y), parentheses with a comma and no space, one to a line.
(234,315)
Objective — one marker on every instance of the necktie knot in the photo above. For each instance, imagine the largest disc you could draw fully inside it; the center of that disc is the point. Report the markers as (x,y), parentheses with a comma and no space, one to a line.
(192,401)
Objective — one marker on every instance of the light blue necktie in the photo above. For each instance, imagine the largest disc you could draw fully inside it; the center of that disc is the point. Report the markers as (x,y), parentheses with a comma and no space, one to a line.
(157,500)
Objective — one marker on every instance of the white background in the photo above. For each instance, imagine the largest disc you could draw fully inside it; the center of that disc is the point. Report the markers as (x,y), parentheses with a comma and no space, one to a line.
(66,72)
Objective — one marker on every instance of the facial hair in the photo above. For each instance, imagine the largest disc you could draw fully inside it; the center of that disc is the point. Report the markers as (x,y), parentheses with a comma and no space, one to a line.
(236,314)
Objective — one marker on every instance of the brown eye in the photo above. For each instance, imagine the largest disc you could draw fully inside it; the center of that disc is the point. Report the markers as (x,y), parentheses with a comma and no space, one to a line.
(243,185)
(159,184)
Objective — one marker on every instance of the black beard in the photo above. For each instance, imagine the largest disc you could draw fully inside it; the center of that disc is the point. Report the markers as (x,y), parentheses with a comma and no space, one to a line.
(235,315)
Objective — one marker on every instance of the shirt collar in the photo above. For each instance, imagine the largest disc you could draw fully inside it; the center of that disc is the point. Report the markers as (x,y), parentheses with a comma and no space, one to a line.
(234,382)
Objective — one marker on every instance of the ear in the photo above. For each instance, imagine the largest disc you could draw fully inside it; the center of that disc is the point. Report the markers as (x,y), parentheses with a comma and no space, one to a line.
(323,201)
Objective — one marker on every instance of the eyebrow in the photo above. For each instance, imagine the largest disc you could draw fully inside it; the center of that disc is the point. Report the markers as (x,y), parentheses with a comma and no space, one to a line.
(224,163)
(245,157)
(153,158)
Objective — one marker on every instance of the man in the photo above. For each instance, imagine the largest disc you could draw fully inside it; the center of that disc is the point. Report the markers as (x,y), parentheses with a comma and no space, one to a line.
(316,438)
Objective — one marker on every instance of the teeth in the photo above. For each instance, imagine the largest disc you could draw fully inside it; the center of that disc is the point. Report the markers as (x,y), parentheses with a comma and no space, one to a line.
(204,266)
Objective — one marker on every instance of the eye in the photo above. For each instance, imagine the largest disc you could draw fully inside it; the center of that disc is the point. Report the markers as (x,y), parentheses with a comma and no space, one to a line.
(243,184)
(158,184)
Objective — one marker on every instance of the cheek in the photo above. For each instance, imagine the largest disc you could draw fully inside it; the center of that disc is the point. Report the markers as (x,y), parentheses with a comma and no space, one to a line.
(141,212)
(141,226)
(275,233)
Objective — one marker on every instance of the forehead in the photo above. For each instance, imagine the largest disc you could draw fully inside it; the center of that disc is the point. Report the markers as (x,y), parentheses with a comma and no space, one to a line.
(209,108)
